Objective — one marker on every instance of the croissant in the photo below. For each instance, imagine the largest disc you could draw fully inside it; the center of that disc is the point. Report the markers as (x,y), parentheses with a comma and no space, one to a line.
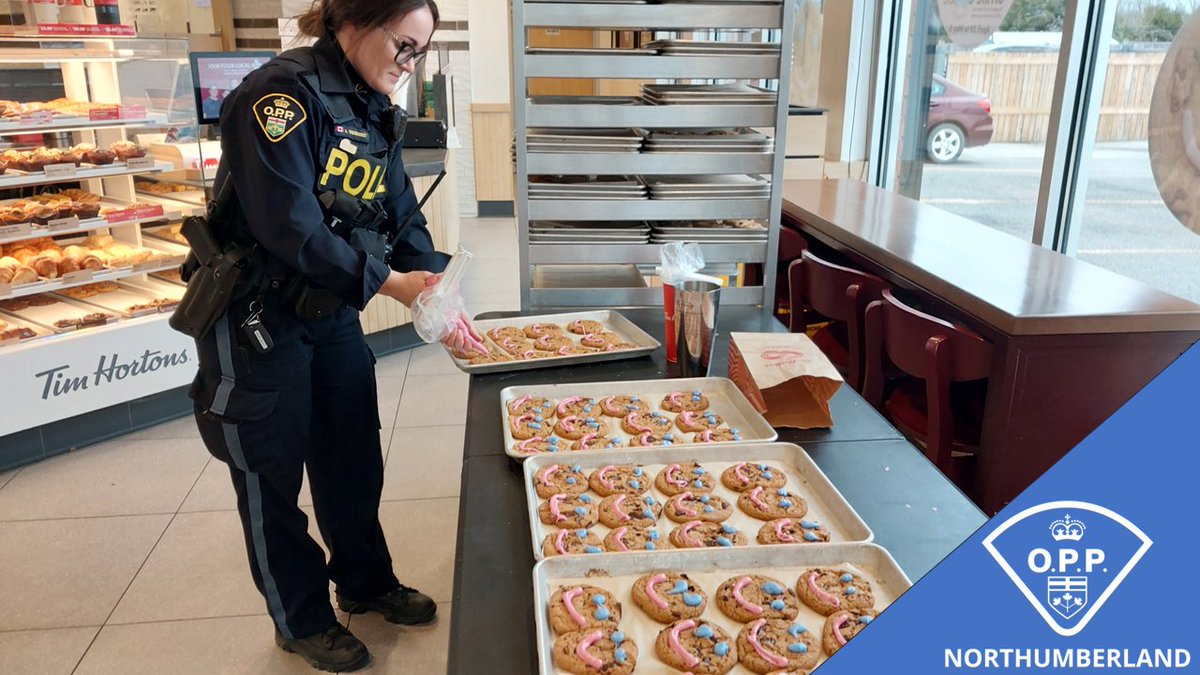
(68,265)
(24,255)
(45,266)
(6,275)
(97,240)
(9,263)
(74,252)
(24,275)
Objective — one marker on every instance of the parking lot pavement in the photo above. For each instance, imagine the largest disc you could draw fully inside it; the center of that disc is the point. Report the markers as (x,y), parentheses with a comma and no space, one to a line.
(1126,227)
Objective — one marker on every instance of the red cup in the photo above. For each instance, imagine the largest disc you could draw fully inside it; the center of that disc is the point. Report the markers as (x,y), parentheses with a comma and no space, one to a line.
(669,315)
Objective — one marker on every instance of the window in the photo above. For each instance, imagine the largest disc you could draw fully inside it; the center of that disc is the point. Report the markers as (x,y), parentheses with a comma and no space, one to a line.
(974,120)
(1126,225)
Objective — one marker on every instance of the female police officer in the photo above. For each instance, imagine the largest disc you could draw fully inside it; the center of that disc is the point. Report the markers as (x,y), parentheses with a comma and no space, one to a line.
(286,379)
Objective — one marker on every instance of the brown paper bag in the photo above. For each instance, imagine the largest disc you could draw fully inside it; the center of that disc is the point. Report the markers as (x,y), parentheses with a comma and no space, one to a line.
(785,376)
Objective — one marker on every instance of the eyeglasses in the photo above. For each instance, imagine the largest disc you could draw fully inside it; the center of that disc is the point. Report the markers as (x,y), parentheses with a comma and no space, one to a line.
(405,52)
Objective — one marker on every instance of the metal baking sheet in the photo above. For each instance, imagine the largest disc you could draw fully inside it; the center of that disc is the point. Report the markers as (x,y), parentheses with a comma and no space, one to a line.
(60,309)
(119,300)
(725,399)
(826,504)
(709,570)
(16,323)
(643,342)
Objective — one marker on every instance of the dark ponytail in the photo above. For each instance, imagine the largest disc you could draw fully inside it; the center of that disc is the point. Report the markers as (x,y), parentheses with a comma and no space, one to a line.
(328,16)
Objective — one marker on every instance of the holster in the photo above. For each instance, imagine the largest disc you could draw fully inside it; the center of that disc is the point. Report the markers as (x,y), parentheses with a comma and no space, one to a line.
(213,274)
(309,303)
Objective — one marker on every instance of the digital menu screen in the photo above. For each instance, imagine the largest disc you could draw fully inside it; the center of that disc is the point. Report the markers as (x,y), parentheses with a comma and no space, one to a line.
(215,74)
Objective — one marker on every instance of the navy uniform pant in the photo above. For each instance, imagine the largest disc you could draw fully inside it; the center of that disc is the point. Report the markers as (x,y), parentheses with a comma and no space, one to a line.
(310,403)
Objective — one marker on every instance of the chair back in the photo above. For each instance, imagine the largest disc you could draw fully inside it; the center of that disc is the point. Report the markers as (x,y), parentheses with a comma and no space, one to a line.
(839,293)
(933,350)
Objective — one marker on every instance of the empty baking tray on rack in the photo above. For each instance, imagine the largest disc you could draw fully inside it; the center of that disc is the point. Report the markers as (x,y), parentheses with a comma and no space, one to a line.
(730,186)
(706,94)
(715,232)
(712,48)
(588,232)
(586,187)
(583,140)
(588,51)
(708,140)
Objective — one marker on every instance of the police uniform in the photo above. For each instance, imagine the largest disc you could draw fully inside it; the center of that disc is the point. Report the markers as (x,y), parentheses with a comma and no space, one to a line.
(301,129)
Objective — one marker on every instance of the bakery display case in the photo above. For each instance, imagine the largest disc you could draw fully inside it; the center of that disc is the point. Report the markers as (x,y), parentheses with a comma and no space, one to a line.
(672,117)
(87,258)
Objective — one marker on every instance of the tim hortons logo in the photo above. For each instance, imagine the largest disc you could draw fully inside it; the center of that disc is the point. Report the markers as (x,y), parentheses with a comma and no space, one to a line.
(1044,547)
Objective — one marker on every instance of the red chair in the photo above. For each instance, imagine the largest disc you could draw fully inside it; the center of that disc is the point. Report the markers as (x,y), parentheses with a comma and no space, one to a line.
(791,245)
(840,294)
(940,406)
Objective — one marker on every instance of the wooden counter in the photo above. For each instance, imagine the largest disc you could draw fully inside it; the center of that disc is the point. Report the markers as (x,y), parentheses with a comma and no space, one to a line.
(1073,341)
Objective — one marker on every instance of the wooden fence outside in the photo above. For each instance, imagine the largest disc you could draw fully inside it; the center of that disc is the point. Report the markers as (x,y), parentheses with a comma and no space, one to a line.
(1021,89)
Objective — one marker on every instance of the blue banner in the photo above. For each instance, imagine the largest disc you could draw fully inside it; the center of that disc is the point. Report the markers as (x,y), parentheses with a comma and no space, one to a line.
(1093,567)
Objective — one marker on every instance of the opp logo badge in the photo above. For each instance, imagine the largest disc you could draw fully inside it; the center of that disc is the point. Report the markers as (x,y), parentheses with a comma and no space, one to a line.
(1067,558)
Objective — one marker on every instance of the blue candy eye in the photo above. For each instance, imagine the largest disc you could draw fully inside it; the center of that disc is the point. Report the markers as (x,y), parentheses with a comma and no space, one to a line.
(581,533)
(585,499)
(599,599)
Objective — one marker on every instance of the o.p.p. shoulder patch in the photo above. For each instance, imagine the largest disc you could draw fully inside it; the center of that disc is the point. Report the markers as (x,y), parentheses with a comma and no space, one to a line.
(278,115)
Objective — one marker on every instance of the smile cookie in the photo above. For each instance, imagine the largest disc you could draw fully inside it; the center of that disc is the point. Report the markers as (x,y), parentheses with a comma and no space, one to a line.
(559,478)
(667,597)
(585,326)
(625,539)
(792,531)
(575,405)
(502,333)
(765,645)
(831,590)
(535,405)
(748,475)
(614,478)
(699,534)
(576,427)
(841,626)
(535,331)
(679,478)
(602,650)
(687,506)
(529,425)
(629,510)
(600,340)
(596,442)
(569,511)
(515,346)
(552,343)
(696,646)
(574,608)
(636,423)
(622,405)
(538,445)
(717,436)
(692,422)
(767,504)
(754,596)
(648,439)
(679,401)
(571,542)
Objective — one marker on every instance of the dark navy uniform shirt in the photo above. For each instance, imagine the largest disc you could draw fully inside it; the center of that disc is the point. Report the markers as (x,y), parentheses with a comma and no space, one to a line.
(283,145)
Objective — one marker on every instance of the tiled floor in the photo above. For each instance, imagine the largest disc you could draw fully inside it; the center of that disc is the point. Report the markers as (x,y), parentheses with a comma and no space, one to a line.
(127,556)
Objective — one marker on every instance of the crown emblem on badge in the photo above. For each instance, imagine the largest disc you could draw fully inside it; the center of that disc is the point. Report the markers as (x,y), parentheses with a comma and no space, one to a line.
(282,103)
(1066,529)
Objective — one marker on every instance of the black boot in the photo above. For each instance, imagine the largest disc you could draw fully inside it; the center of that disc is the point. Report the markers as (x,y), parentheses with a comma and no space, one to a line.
(403,605)
(335,650)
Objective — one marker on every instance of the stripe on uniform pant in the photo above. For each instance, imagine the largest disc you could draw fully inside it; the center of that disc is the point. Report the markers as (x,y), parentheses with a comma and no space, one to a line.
(233,443)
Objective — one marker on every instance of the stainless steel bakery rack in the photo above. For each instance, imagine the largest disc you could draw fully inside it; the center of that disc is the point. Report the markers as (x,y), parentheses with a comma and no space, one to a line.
(770,22)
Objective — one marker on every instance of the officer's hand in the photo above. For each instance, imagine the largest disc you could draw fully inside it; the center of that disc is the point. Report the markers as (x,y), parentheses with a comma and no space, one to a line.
(404,286)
